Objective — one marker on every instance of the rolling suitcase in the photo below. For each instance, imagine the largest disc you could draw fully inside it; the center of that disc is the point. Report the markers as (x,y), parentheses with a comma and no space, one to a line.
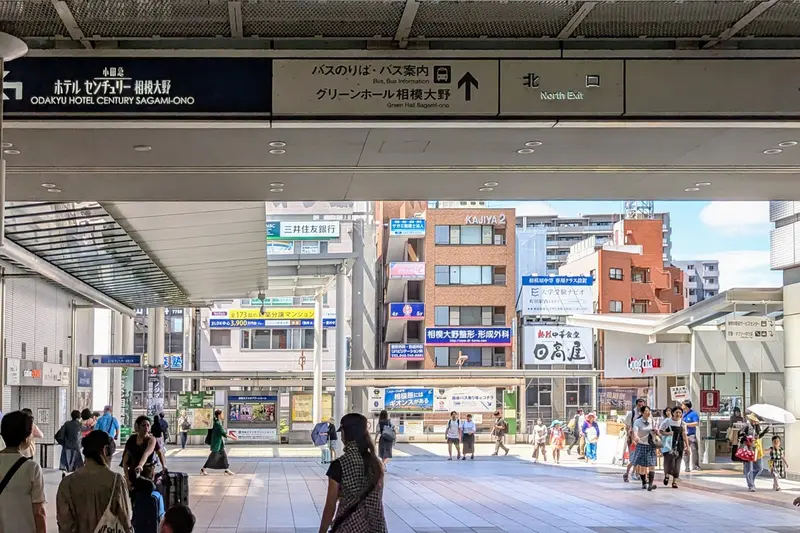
(175,489)
(326,454)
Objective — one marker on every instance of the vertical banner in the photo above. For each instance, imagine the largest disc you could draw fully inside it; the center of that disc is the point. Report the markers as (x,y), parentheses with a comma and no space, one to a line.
(126,418)
(510,410)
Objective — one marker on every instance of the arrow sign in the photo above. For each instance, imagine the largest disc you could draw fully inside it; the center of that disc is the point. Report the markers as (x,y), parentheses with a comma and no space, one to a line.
(468,82)
(16,86)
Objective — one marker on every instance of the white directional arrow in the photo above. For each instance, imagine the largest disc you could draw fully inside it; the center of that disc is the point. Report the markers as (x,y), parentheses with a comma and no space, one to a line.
(16,86)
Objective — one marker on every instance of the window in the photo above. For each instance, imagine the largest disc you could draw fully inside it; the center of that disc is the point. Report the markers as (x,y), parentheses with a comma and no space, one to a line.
(640,307)
(260,339)
(441,275)
(711,281)
(220,338)
(711,293)
(615,273)
(469,275)
(441,315)
(499,275)
(614,306)
(469,235)
(577,393)
(677,289)
(469,316)
(540,392)
(689,267)
(441,356)
(455,234)
(488,235)
(484,356)
(692,292)
(593,273)
(441,235)
(711,268)
(281,339)
(692,279)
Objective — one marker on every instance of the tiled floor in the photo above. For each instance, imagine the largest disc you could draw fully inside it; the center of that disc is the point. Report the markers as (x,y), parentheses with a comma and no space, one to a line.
(425,493)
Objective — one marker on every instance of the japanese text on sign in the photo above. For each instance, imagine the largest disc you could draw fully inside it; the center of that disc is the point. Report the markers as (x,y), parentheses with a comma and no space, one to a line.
(557,345)
(113,85)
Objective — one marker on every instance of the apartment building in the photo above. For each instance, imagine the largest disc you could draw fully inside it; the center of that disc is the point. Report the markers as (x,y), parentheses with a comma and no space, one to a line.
(701,279)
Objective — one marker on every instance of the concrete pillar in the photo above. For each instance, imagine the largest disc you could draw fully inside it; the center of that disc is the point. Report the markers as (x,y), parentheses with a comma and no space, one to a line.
(364,294)
(791,354)
(127,334)
(116,373)
(340,404)
(316,406)
(155,356)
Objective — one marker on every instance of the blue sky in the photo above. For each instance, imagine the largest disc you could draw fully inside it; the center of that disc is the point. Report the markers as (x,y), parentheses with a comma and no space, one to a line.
(735,233)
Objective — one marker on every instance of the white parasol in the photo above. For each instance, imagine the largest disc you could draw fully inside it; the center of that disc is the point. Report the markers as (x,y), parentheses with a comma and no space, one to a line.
(772,413)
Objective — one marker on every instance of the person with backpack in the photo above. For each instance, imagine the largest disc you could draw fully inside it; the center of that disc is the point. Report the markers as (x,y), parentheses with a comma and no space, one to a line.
(453,436)
(385,436)
(69,438)
(499,431)
(148,503)
(22,498)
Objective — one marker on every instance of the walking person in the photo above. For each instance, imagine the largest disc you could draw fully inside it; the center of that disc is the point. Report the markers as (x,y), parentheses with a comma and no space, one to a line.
(185,426)
(385,437)
(499,432)
(692,458)
(218,458)
(750,450)
(110,425)
(574,426)
(89,420)
(674,442)
(539,441)
(162,421)
(157,430)
(29,448)
(591,434)
(354,502)
(69,438)
(468,429)
(630,418)
(453,435)
(22,498)
(557,438)
(332,438)
(777,462)
(94,490)
(141,448)
(645,436)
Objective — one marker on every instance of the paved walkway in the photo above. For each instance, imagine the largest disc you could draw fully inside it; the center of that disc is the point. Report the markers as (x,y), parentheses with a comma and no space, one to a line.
(282,490)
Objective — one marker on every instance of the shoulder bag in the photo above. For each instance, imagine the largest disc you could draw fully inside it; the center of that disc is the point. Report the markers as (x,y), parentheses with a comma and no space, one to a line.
(109,522)
(10,474)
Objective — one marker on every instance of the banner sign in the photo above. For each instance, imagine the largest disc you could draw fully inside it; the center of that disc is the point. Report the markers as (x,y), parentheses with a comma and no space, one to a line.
(315,230)
(407,227)
(198,407)
(302,407)
(139,87)
(271,314)
(275,301)
(173,361)
(557,345)
(254,434)
(407,352)
(85,378)
(407,310)
(116,360)
(410,400)
(409,271)
(252,323)
(557,295)
(466,400)
(750,329)
(483,336)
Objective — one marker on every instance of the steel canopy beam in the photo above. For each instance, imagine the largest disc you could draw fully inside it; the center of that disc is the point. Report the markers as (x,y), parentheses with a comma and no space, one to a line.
(740,24)
(568,29)
(235,19)
(68,19)
(406,23)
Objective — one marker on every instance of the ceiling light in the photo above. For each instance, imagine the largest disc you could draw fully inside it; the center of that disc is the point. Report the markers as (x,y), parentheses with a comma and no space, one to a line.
(54,190)
(486,189)
(277,144)
(787,144)
(491,184)
(525,151)
(691,189)
(531,144)
(276,184)
(7,144)
(276,190)
(49,185)
(277,152)
(142,148)
(12,152)
(772,151)
(703,184)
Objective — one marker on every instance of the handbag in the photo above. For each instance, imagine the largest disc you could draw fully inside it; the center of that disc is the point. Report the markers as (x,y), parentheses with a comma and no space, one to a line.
(666,445)
(745,454)
(109,522)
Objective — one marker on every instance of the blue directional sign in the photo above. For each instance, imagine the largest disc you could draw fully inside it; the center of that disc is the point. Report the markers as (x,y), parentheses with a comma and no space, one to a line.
(407,310)
(116,360)
(262,323)
(407,227)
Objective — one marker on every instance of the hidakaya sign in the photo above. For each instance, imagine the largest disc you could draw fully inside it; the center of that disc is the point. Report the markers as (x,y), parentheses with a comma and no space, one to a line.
(557,345)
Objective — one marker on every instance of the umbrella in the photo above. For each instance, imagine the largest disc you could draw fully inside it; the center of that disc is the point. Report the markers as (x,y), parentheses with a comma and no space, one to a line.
(772,413)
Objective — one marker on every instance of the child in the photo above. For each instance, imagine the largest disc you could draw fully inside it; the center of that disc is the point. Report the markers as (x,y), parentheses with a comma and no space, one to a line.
(148,503)
(179,519)
(777,463)
(557,439)
(591,432)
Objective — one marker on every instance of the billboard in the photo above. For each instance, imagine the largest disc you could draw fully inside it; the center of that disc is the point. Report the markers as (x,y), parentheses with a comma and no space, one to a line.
(407,310)
(475,336)
(407,227)
(313,230)
(407,352)
(557,295)
(557,345)
(411,270)
(466,400)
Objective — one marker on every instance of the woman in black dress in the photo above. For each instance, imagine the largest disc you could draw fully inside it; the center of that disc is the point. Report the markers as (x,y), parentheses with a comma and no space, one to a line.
(385,443)
(141,448)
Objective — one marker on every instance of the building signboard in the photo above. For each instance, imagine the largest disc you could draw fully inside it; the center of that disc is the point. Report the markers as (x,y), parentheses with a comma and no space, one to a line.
(13,372)
(557,345)
(641,365)
(412,270)
(28,373)
(485,220)
(85,376)
(749,329)
(628,355)
(557,295)
(679,393)
(407,310)
(280,248)
(52,375)
(254,434)
(117,360)
(468,336)
(173,361)
(260,323)
(466,400)
(407,227)
(407,352)
(295,313)
(408,399)
(314,230)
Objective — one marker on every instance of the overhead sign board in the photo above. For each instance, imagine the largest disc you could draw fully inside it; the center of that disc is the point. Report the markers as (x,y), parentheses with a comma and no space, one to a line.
(557,345)
(557,295)
(271,314)
(85,376)
(562,88)
(137,86)
(117,360)
(407,227)
(317,230)
(466,400)
(407,310)
(413,270)
(385,87)
(477,336)
(260,323)
(750,329)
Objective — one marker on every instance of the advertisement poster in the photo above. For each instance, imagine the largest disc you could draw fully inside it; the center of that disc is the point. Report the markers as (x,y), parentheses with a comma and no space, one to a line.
(302,405)
(557,295)
(408,399)
(557,345)
(409,270)
(198,407)
(616,399)
(466,400)
(254,434)
(253,411)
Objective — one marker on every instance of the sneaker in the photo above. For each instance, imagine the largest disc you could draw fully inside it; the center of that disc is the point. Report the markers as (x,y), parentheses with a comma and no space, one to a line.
(666,480)
(651,488)
(203,471)
(507,451)
(229,472)
(472,458)
(752,489)
(449,458)
(464,458)
(494,454)
(625,478)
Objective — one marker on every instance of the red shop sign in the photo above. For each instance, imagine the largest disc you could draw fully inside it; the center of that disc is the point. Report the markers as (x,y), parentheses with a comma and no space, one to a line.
(709,401)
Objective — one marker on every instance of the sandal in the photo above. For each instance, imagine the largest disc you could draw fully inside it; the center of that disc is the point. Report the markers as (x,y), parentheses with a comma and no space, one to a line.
(674,485)
(625,478)
(666,480)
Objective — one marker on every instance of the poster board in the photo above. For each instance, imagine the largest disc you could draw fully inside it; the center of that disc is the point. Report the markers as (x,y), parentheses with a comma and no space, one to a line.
(302,407)
(199,409)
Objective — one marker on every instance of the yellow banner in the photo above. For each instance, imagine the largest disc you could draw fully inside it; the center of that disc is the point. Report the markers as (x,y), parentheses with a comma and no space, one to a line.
(271,314)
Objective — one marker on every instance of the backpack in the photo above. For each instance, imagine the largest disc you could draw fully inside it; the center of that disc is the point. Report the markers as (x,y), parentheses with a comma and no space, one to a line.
(388,433)
(145,511)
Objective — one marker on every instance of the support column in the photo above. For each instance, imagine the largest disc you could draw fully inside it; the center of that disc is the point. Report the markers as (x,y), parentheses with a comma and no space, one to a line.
(126,388)
(116,373)
(340,405)
(791,355)
(155,356)
(316,405)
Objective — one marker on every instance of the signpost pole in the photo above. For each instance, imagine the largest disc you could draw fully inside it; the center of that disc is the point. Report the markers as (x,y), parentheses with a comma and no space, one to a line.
(316,402)
(340,404)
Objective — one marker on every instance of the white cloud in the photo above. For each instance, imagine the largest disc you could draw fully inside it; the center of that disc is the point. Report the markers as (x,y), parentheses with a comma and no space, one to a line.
(530,209)
(746,268)
(736,217)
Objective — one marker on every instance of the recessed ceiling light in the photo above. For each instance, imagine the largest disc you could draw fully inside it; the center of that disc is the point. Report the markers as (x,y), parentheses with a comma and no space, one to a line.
(486,189)
(277,151)
(7,144)
(276,184)
(142,148)
(531,144)
(525,151)
(12,152)
(772,151)
(276,190)
(491,184)
(49,185)
(54,190)
(691,189)
(703,184)
(277,144)
(787,144)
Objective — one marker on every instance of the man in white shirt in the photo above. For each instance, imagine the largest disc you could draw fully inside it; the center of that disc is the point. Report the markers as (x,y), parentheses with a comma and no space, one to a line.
(453,434)
(22,500)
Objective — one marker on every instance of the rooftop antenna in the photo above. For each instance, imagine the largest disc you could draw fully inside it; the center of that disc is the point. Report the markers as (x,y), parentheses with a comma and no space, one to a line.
(640,210)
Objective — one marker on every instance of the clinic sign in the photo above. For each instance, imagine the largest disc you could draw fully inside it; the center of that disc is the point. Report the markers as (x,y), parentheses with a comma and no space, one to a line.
(315,230)
(557,295)
(414,270)
(407,227)
(477,336)
(406,311)
(407,352)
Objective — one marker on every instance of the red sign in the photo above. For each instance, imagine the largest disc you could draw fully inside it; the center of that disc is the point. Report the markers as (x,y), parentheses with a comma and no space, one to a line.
(640,365)
(709,401)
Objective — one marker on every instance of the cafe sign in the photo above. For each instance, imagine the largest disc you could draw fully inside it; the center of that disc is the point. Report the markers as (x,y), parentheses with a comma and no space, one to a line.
(640,366)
